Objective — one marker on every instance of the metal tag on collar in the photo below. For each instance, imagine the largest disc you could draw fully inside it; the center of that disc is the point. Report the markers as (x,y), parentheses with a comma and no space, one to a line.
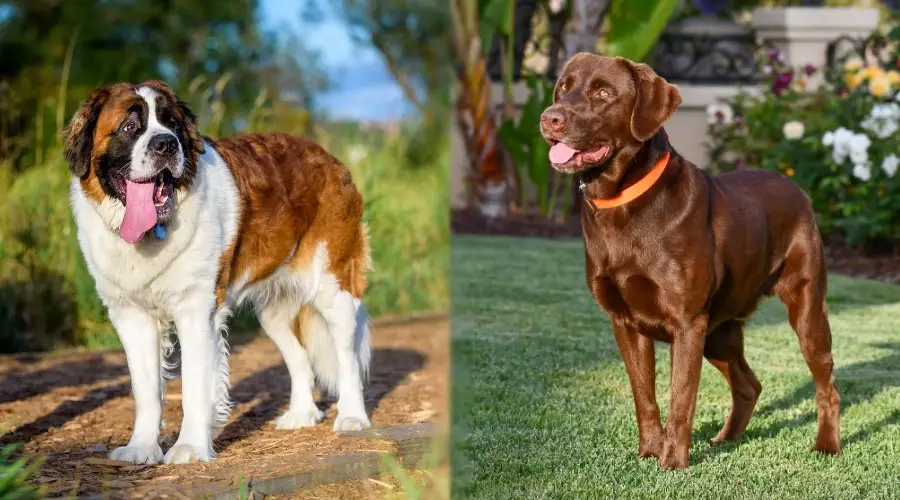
(160,231)
(583,188)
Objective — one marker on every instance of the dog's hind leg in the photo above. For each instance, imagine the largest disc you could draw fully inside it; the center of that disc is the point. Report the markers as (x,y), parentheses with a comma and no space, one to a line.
(347,323)
(286,327)
(802,289)
(724,349)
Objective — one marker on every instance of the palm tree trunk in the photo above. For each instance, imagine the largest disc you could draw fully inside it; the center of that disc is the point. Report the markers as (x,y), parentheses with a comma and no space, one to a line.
(488,179)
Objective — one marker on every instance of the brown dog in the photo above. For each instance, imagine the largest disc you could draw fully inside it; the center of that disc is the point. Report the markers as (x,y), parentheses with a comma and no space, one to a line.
(676,255)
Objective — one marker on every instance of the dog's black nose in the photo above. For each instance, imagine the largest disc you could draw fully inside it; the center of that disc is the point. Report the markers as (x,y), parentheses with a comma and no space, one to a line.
(164,144)
(553,121)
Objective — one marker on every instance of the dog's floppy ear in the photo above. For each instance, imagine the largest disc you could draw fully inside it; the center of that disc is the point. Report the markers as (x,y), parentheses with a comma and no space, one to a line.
(189,131)
(655,100)
(78,136)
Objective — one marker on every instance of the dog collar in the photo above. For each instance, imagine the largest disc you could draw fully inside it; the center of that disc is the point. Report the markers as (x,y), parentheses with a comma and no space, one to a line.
(632,192)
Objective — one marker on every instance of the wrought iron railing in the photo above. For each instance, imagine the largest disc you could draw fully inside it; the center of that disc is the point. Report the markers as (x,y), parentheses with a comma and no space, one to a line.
(875,48)
(704,59)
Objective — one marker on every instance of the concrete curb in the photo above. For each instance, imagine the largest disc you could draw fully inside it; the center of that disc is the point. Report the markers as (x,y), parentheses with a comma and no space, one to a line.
(412,443)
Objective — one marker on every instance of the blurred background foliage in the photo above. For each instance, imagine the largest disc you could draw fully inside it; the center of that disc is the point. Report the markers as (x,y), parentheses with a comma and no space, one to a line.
(236,75)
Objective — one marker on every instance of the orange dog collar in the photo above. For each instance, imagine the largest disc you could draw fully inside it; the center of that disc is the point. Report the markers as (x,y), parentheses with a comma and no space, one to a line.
(632,192)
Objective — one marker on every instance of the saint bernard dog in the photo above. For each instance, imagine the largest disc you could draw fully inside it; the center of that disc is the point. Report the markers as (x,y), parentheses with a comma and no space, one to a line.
(179,229)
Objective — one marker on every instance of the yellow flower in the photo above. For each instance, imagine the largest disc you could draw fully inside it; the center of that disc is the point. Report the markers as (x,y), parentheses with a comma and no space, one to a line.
(789,172)
(853,64)
(873,72)
(880,86)
(893,76)
(800,84)
(853,80)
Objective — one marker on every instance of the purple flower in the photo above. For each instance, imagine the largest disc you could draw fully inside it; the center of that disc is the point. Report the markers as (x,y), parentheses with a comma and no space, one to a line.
(809,70)
(782,82)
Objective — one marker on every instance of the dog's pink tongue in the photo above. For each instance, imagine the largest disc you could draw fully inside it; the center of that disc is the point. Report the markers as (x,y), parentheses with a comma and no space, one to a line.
(140,212)
(561,153)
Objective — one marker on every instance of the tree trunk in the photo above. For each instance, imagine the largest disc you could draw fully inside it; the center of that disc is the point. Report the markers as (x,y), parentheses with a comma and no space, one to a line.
(587,21)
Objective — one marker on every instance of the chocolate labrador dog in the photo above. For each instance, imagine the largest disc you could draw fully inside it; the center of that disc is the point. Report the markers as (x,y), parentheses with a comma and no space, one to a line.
(679,256)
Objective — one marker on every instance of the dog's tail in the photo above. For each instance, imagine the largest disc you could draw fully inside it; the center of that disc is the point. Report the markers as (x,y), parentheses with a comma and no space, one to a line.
(320,346)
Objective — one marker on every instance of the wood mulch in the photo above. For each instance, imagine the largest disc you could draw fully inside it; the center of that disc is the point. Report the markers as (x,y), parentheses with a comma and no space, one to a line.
(71,409)
(877,263)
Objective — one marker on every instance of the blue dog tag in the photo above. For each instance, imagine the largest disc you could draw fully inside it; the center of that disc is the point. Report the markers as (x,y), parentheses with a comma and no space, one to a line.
(160,231)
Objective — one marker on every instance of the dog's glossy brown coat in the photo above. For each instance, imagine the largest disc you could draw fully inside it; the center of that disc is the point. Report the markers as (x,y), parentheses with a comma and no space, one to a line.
(688,262)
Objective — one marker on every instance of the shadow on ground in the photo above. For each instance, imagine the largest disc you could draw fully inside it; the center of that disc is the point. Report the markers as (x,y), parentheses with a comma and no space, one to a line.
(857,383)
(389,368)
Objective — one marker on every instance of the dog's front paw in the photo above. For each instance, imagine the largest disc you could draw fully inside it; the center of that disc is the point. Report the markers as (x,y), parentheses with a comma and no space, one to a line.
(297,419)
(674,458)
(183,453)
(650,447)
(138,454)
(828,445)
(348,423)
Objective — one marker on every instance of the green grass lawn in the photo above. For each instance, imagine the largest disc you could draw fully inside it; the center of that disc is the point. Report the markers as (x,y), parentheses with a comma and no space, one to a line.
(542,407)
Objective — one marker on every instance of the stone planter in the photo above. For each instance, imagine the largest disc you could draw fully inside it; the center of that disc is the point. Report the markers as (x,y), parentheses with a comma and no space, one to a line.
(706,50)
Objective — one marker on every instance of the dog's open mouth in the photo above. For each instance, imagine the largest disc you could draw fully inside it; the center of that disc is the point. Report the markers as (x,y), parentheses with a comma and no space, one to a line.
(147,202)
(566,159)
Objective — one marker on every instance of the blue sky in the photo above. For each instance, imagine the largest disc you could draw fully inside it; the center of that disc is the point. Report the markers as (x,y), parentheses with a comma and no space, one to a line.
(362,88)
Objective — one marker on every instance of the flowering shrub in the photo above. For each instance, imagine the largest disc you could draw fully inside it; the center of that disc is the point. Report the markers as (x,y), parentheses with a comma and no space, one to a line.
(840,141)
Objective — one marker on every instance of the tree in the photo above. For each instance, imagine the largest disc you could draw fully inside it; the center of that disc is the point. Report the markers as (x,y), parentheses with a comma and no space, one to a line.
(54,52)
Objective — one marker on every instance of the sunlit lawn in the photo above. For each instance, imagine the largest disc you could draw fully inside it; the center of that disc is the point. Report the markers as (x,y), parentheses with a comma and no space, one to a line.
(543,408)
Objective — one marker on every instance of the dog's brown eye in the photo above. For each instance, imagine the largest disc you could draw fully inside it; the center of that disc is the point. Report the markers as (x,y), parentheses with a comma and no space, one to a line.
(129,127)
(603,93)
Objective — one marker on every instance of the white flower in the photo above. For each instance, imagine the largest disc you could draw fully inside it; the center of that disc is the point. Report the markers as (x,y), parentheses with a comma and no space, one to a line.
(557,5)
(767,69)
(356,153)
(719,113)
(862,171)
(842,137)
(537,63)
(793,130)
(860,143)
(838,157)
(845,143)
(883,120)
(890,164)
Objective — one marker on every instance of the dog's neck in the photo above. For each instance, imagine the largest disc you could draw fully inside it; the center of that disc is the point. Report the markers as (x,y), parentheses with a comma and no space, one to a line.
(629,165)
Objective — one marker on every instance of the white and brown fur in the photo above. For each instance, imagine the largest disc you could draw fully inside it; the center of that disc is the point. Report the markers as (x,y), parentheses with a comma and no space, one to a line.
(272,220)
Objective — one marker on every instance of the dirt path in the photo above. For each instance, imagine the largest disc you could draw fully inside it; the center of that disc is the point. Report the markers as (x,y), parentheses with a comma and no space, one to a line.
(72,409)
